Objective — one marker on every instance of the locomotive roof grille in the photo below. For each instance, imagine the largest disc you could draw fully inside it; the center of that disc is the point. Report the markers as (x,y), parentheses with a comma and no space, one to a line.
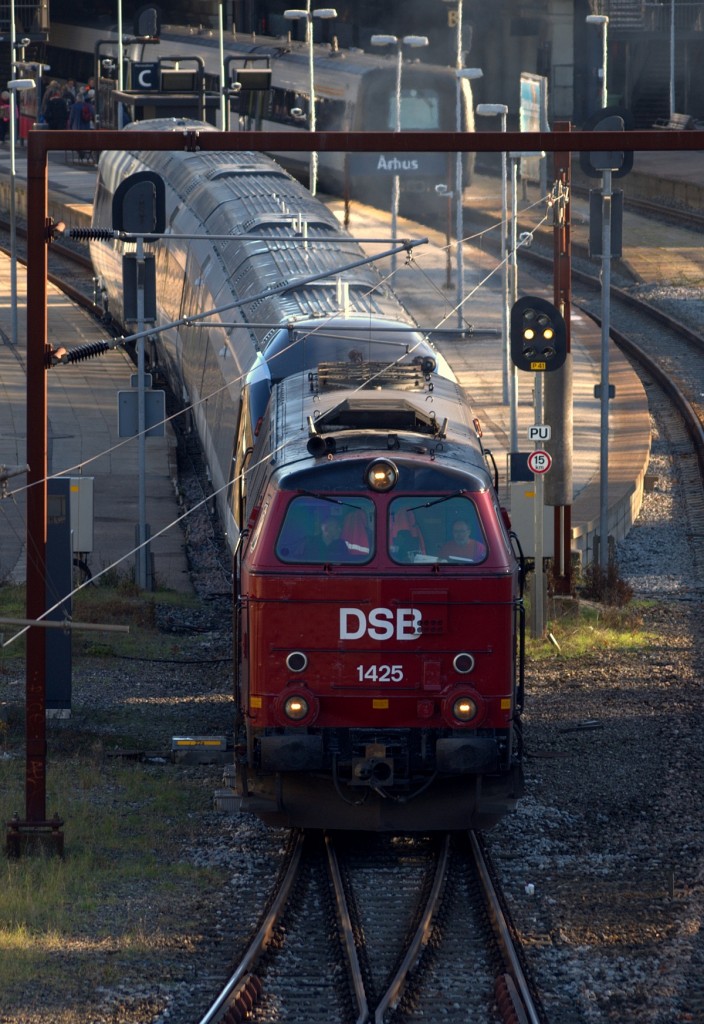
(368,376)
(361,411)
(388,415)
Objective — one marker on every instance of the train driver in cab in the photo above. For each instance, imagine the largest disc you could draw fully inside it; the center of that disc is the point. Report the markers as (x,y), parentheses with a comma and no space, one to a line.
(328,545)
(463,547)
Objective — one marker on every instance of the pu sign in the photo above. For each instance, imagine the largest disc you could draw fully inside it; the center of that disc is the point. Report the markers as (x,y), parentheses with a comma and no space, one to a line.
(380,624)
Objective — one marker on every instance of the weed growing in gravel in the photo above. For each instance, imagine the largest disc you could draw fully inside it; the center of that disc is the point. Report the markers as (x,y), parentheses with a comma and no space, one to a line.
(579,628)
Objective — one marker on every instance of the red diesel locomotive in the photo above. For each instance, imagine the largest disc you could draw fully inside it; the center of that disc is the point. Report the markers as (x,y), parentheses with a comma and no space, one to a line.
(378,611)
(379,621)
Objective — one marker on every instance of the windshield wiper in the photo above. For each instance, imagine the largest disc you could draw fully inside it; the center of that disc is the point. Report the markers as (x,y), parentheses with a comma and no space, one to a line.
(333,501)
(437,501)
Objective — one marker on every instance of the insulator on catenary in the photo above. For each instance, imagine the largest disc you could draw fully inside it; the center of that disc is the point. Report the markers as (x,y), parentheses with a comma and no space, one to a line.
(96,234)
(92,348)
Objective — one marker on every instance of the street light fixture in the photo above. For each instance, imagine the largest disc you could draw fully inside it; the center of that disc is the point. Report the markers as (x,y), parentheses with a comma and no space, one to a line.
(324,13)
(501,110)
(15,85)
(414,41)
(602,22)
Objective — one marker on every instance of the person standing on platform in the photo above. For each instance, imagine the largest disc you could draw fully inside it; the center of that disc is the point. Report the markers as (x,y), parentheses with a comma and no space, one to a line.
(82,112)
(56,111)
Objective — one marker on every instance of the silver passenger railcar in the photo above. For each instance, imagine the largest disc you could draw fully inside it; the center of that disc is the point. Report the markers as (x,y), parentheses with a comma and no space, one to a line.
(269,318)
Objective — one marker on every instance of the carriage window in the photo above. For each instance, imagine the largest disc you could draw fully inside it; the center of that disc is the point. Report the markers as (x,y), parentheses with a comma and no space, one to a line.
(317,530)
(435,529)
(329,114)
(284,102)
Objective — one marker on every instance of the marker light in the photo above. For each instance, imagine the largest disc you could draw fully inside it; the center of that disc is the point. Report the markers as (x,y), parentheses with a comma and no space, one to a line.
(463,663)
(296,661)
(381,475)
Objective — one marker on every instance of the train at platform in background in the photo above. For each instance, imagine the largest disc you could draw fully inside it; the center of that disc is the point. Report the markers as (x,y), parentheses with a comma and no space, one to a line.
(378,668)
(354,92)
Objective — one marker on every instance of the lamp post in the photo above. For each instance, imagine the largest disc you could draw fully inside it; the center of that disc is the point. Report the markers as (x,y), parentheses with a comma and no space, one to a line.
(602,22)
(384,40)
(470,74)
(294,15)
(501,110)
(15,85)
(672,58)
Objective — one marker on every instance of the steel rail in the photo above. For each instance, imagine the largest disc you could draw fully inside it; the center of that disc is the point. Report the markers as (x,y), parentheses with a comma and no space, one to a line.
(262,938)
(420,937)
(347,933)
(689,414)
(525,1009)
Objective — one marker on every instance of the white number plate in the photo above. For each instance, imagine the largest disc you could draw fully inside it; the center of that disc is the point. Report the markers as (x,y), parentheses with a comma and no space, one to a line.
(380,674)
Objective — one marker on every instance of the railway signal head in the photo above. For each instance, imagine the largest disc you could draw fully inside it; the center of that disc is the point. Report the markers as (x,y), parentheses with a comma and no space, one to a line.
(538,335)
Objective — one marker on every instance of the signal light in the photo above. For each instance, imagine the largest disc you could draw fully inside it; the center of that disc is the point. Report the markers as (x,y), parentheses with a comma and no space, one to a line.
(538,335)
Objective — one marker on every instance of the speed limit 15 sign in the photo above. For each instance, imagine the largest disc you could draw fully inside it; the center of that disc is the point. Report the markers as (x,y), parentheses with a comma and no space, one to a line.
(539,461)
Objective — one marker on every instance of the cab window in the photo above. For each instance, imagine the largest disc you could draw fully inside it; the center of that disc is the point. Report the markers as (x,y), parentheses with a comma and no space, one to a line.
(435,529)
(420,111)
(320,530)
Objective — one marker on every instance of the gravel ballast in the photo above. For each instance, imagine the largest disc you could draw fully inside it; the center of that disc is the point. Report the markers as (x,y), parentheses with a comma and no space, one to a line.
(602,861)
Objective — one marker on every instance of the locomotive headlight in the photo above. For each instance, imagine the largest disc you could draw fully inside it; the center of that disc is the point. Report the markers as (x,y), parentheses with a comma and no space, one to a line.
(463,707)
(381,475)
(296,707)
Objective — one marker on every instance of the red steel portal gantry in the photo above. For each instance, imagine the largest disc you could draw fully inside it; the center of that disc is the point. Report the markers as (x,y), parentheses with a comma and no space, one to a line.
(561,142)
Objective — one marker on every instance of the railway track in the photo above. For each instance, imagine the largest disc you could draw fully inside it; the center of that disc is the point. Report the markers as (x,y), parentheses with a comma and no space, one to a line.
(669,350)
(376,930)
(686,369)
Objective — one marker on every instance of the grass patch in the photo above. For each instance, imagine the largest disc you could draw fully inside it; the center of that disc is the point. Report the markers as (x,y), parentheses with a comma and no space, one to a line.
(111,601)
(121,856)
(582,628)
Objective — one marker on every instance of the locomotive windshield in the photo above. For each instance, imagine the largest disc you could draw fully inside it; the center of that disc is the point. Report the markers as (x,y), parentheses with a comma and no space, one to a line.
(317,530)
(435,530)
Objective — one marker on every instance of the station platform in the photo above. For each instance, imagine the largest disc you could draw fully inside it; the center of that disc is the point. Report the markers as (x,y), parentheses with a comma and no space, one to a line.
(82,398)
(83,441)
